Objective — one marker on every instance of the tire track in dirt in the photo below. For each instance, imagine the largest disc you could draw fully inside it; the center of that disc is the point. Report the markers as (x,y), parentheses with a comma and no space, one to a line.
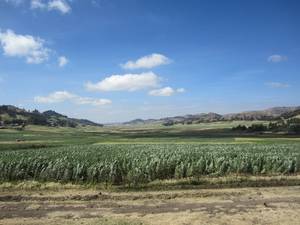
(98,208)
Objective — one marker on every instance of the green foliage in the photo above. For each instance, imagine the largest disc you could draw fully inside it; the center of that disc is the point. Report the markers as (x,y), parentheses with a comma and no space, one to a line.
(291,125)
(294,125)
(257,128)
(240,128)
(168,123)
(136,164)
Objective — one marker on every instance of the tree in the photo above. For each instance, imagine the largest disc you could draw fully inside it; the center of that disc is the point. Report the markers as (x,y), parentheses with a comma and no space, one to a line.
(257,128)
(239,128)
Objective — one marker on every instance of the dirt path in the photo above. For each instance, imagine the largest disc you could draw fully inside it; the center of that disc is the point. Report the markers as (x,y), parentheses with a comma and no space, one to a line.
(225,206)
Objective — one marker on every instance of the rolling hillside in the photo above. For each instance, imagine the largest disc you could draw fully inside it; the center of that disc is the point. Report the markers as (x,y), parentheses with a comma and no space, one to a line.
(11,115)
(14,116)
(263,115)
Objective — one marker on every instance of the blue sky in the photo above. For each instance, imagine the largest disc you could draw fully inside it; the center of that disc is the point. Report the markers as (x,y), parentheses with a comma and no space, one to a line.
(110,61)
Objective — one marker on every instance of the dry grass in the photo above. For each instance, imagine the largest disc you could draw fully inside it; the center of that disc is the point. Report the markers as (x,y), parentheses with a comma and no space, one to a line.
(240,206)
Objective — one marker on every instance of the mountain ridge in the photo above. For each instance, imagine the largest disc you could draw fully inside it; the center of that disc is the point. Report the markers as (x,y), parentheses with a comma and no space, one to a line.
(266,114)
(12,115)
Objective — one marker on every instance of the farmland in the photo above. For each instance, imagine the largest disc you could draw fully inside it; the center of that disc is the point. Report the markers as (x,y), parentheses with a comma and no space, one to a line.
(142,163)
(133,174)
(135,156)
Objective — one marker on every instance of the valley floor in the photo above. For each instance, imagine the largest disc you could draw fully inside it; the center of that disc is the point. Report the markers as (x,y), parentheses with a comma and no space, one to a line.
(30,202)
(272,205)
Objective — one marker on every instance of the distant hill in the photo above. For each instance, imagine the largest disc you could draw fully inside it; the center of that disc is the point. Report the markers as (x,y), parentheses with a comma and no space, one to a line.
(14,116)
(291,114)
(266,115)
(140,121)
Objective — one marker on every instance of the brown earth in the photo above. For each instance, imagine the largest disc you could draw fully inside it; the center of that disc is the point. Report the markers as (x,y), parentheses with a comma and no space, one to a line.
(275,205)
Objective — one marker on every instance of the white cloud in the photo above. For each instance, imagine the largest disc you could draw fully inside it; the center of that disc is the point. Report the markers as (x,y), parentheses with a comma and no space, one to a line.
(62,96)
(166,91)
(60,5)
(180,90)
(126,82)
(37,4)
(62,61)
(277,58)
(91,101)
(147,62)
(277,85)
(55,97)
(25,46)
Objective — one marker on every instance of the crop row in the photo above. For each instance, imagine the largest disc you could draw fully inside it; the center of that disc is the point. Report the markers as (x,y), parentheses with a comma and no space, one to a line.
(142,163)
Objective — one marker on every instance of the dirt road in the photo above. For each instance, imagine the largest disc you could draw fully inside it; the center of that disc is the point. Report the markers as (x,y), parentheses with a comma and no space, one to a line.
(280,205)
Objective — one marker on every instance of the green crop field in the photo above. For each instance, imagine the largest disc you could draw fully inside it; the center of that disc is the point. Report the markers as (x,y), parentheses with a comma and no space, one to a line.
(142,163)
(133,156)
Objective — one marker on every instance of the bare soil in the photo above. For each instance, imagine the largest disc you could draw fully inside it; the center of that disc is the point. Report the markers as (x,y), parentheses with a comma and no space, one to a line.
(274,205)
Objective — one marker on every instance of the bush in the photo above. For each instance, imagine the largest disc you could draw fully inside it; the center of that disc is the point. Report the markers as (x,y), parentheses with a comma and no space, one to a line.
(239,128)
(257,128)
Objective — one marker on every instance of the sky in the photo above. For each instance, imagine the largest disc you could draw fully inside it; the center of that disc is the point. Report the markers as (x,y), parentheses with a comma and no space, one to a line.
(118,60)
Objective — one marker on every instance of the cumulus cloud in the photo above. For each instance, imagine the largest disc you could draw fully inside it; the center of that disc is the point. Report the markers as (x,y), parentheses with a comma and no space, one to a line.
(24,46)
(62,96)
(126,82)
(147,62)
(277,58)
(277,85)
(37,4)
(55,97)
(166,91)
(62,61)
(59,5)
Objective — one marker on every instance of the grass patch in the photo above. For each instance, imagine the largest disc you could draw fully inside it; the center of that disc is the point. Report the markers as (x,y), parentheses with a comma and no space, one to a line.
(160,185)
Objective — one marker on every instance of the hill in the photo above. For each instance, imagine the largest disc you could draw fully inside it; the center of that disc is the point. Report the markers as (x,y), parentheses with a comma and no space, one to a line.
(268,114)
(263,115)
(14,116)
